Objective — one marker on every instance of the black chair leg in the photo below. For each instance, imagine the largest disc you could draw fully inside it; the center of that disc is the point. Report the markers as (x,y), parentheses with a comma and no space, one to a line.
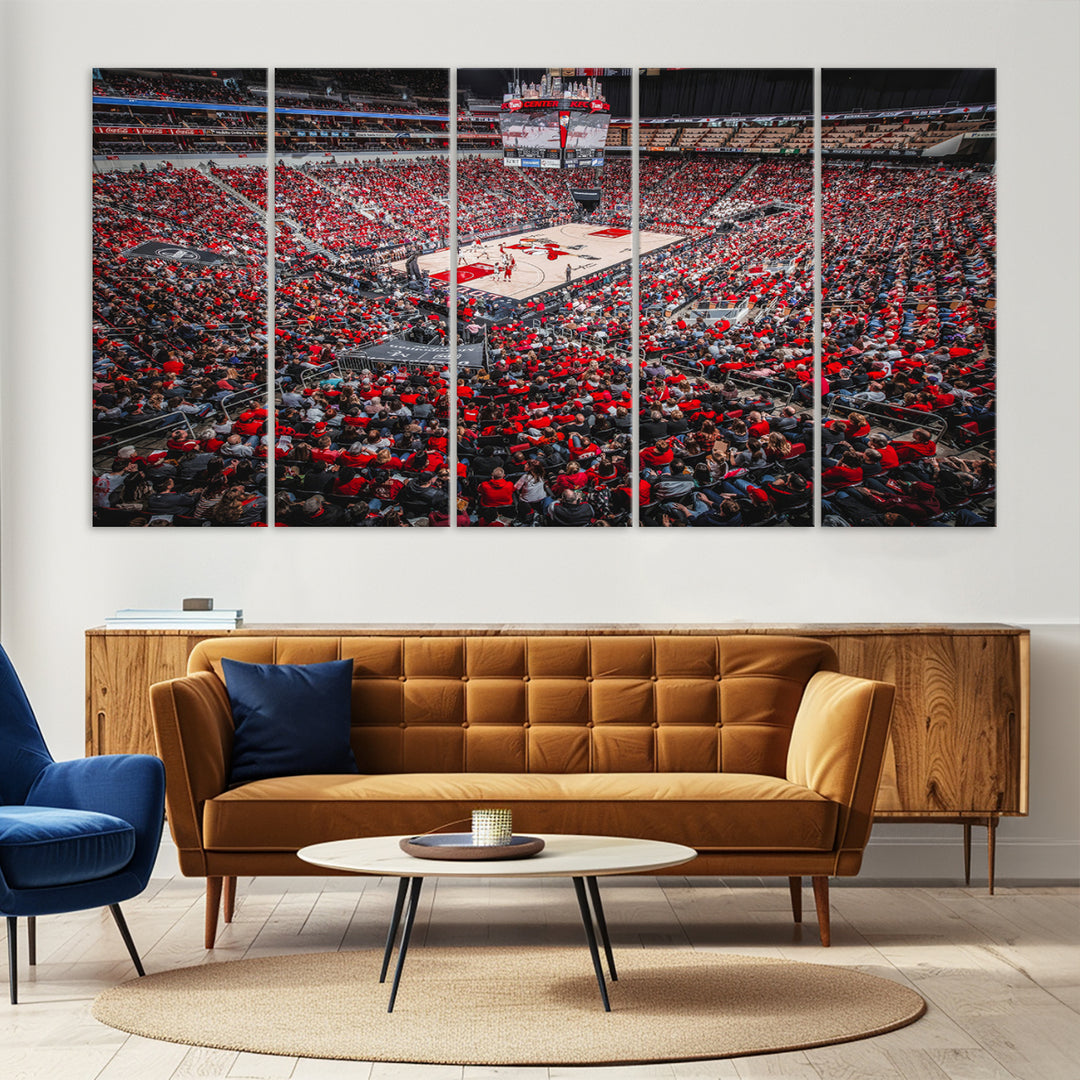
(31,938)
(118,915)
(13,957)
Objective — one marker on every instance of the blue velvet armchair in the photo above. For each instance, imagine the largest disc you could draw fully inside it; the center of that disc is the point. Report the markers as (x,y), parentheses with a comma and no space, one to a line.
(73,834)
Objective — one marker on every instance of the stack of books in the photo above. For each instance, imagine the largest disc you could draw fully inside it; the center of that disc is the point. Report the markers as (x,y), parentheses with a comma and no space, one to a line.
(175,619)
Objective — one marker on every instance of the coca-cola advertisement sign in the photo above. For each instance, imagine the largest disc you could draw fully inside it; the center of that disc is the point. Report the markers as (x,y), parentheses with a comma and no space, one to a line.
(150,131)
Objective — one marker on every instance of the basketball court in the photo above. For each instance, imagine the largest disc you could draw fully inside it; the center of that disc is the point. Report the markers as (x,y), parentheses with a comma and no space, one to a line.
(541,257)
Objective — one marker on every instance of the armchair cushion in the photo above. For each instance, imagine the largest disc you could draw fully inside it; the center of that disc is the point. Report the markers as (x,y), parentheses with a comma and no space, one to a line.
(42,847)
(290,719)
(126,786)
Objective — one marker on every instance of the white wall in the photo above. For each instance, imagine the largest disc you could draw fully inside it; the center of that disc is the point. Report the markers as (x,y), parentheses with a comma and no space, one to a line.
(59,576)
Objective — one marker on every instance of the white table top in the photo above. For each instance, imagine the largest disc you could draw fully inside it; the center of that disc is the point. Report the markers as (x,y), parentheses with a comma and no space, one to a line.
(563,856)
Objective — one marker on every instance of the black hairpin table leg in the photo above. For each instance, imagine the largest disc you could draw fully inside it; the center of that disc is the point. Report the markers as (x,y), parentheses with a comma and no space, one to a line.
(395,922)
(601,923)
(410,916)
(590,934)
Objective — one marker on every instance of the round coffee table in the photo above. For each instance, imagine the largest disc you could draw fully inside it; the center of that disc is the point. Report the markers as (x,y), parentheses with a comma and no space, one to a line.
(582,858)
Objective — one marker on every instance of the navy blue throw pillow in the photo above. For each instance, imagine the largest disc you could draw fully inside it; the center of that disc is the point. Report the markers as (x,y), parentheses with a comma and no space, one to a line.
(290,719)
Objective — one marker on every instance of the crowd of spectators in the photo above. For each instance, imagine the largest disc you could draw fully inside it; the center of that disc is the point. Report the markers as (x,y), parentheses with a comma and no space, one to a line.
(726,373)
(544,432)
(284,99)
(400,195)
(613,181)
(416,90)
(726,419)
(678,194)
(350,210)
(180,417)
(492,198)
(300,125)
(330,221)
(360,448)
(773,181)
(171,86)
(196,211)
(908,353)
(179,355)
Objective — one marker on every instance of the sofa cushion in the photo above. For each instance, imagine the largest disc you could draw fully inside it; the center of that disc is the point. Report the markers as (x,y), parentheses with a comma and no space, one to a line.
(556,703)
(42,847)
(289,719)
(707,811)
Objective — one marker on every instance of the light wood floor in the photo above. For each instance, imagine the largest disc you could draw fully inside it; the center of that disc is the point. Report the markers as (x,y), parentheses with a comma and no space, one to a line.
(1001,974)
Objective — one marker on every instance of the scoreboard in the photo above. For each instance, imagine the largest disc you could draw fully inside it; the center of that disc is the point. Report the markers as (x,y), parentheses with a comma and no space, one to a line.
(553,133)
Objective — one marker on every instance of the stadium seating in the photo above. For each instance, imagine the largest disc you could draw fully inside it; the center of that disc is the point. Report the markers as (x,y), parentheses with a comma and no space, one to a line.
(180,416)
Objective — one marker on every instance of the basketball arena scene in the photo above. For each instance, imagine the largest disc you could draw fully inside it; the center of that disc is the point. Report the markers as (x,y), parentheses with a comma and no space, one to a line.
(548,297)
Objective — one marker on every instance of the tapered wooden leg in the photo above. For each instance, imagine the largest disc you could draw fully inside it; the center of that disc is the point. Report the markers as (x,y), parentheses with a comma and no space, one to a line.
(213,906)
(795,885)
(967,852)
(991,844)
(31,938)
(821,902)
(230,898)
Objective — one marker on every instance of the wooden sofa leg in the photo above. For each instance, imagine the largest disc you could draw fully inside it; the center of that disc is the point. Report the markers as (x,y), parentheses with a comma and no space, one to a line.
(821,902)
(213,905)
(795,885)
(230,898)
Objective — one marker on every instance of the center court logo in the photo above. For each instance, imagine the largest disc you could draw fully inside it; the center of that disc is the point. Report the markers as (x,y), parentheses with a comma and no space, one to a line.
(537,245)
(178,254)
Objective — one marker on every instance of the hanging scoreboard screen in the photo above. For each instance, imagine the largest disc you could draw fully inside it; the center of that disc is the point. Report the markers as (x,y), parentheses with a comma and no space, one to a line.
(553,132)
(529,132)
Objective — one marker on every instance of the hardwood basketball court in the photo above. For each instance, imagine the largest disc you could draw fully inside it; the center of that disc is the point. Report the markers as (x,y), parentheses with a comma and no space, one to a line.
(541,257)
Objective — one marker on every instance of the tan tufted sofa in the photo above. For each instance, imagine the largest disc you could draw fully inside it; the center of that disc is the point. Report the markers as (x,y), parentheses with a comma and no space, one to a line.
(751,749)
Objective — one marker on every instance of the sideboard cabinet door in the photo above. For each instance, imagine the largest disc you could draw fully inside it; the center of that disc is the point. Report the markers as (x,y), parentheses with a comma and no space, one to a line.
(957,733)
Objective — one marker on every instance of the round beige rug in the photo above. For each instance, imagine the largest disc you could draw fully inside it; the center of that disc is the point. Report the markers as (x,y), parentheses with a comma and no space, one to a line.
(512,1006)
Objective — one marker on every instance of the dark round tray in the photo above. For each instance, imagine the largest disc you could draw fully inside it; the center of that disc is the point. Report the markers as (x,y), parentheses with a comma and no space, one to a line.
(459,846)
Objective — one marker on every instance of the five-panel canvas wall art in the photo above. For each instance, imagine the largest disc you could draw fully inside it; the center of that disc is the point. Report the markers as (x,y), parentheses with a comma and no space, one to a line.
(591,297)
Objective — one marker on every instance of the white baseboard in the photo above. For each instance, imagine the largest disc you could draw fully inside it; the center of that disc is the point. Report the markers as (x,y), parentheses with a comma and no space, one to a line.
(167,863)
(938,857)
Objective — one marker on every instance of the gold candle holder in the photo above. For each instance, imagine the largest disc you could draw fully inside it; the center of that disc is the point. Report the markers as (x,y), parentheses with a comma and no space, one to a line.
(491,828)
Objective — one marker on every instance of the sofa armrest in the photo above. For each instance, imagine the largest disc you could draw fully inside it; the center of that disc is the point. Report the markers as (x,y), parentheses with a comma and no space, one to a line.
(837,749)
(193,727)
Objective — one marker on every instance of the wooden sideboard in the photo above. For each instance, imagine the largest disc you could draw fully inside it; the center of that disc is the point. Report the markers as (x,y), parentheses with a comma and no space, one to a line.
(959,746)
